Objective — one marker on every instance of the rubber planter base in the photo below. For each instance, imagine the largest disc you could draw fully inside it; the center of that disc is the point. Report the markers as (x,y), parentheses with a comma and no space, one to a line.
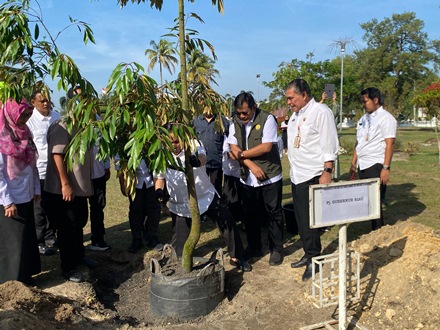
(186,296)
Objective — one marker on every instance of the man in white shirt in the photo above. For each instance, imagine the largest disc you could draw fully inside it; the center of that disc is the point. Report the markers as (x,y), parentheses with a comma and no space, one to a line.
(312,149)
(39,123)
(376,133)
(254,142)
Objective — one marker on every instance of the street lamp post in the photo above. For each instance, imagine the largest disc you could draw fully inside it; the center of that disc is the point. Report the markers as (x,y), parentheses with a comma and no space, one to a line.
(342,85)
(341,43)
(258,86)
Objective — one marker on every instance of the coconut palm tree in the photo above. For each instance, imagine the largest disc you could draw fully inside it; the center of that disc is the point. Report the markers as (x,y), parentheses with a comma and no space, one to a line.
(201,68)
(162,53)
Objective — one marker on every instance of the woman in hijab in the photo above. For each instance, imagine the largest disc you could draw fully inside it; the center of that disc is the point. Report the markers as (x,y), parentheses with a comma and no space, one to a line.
(19,185)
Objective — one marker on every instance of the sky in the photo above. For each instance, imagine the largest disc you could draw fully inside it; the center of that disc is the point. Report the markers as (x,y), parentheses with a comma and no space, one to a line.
(251,38)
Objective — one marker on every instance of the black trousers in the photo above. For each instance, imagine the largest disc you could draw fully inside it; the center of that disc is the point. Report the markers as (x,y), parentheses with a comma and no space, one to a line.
(216,177)
(144,214)
(97,204)
(19,257)
(69,219)
(269,198)
(45,230)
(232,196)
(310,237)
(225,222)
(369,173)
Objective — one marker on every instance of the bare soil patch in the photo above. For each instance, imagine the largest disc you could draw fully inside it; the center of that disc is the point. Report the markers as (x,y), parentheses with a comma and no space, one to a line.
(400,289)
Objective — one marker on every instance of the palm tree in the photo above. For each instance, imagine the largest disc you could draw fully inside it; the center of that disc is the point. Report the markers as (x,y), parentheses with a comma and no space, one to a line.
(162,53)
(201,68)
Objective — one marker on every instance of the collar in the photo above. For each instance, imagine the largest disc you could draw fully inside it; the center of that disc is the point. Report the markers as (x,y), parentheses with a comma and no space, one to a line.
(39,116)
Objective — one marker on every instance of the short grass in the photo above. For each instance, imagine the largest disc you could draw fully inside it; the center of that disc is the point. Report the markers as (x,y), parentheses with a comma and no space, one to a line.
(412,195)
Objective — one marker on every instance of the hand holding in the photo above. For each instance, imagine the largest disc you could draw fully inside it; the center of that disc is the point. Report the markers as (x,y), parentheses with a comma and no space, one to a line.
(194,161)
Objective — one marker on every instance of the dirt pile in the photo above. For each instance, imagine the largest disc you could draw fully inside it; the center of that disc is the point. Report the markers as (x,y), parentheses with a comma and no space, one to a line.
(400,289)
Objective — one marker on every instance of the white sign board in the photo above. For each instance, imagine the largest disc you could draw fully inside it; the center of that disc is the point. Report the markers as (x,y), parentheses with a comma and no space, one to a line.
(344,202)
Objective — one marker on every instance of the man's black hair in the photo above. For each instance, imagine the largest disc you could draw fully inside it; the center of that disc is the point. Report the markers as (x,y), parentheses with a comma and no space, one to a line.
(372,93)
(299,86)
(242,98)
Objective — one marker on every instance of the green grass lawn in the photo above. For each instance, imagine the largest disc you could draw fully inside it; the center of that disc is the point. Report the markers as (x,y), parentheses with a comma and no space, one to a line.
(412,195)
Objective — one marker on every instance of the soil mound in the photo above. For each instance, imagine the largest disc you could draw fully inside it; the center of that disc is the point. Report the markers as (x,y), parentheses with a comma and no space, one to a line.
(400,289)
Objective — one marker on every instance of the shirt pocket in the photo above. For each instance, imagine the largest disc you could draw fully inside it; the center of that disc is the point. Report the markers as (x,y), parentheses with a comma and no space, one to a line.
(305,132)
(40,137)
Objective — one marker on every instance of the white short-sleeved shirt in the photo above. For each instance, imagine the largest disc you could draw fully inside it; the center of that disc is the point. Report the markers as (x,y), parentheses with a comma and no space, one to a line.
(22,188)
(371,132)
(39,124)
(270,134)
(230,166)
(315,128)
(177,187)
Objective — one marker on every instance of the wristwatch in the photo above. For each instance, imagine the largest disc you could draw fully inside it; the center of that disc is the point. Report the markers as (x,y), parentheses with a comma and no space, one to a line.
(241,155)
(386,167)
(328,170)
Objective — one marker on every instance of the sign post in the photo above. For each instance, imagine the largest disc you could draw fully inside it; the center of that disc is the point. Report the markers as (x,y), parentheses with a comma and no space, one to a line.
(340,203)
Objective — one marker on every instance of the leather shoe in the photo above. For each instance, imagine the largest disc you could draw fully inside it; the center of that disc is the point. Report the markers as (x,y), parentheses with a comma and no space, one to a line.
(241,264)
(276,258)
(308,272)
(73,276)
(90,262)
(301,262)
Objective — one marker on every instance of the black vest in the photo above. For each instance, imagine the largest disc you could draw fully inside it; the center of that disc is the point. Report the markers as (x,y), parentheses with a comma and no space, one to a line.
(270,163)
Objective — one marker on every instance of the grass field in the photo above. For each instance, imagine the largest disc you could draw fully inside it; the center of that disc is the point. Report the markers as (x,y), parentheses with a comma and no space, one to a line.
(412,195)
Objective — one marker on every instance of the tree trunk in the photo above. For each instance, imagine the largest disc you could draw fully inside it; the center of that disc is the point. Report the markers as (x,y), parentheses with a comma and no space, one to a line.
(194,235)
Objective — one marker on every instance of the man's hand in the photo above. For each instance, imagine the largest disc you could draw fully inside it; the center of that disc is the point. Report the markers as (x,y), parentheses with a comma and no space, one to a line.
(158,194)
(11,211)
(194,161)
(37,198)
(384,176)
(107,174)
(258,172)
(325,178)
(67,192)
(352,172)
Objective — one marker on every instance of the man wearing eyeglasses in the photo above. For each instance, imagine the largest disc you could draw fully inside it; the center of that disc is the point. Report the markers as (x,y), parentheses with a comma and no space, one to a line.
(254,143)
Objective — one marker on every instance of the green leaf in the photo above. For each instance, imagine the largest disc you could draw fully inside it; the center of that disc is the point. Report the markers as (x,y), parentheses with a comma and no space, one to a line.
(36,31)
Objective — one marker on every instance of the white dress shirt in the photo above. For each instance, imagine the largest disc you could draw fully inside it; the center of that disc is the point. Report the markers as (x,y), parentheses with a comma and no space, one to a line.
(39,124)
(230,166)
(143,174)
(22,188)
(371,132)
(270,131)
(177,187)
(315,128)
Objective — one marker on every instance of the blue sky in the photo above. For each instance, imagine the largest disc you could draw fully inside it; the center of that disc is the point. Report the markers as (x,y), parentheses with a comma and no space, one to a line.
(252,37)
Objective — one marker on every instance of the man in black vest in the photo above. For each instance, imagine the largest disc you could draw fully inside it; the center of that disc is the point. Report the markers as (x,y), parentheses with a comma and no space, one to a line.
(253,141)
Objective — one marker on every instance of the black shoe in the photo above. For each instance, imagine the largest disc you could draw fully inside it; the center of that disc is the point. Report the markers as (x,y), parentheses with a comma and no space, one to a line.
(308,272)
(276,258)
(241,264)
(301,262)
(100,246)
(73,276)
(90,262)
(45,250)
(135,246)
(250,253)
